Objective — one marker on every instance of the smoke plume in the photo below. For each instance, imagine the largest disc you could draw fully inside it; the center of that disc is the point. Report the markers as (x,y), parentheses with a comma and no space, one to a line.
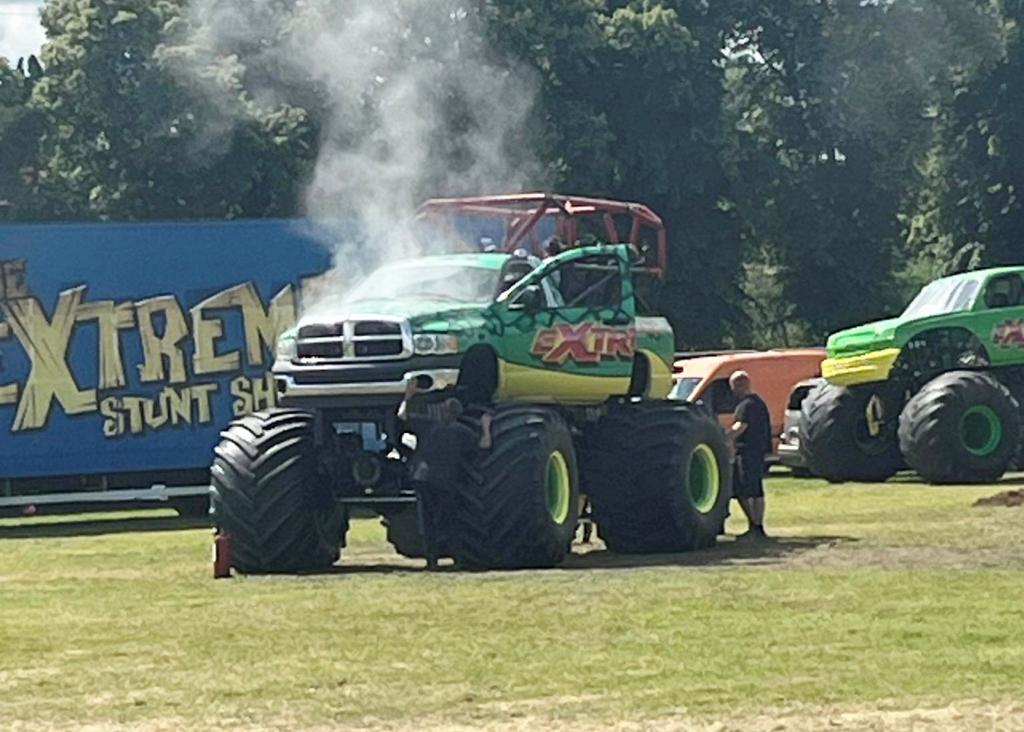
(408,98)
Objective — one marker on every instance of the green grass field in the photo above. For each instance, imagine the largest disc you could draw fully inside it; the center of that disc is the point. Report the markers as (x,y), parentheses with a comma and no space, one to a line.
(894,606)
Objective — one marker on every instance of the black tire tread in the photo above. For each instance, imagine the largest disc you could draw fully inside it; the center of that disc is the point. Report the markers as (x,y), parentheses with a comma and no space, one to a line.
(499,521)
(929,428)
(402,531)
(826,438)
(634,459)
(261,482)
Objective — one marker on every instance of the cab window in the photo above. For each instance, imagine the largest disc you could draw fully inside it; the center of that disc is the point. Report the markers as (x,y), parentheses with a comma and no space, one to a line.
(796,398)
(593,282)
(684,388)
(1005,291)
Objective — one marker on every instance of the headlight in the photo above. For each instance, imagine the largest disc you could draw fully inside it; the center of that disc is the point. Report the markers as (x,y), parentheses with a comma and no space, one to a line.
(287,349)
(435,345)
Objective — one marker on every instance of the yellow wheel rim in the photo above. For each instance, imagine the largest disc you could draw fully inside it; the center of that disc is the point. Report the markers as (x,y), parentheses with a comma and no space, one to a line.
(558,487)
(704,478)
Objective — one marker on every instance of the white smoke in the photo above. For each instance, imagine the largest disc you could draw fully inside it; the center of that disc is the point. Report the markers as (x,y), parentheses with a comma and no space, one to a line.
(411,103)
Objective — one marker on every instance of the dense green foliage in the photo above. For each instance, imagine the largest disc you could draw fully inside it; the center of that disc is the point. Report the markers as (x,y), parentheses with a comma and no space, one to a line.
(813,159)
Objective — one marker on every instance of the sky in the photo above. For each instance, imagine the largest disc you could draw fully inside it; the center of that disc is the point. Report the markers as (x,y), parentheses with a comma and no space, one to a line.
(20,32)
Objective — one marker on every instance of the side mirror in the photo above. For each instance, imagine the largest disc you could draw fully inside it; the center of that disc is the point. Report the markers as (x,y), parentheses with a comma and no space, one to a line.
(531,299)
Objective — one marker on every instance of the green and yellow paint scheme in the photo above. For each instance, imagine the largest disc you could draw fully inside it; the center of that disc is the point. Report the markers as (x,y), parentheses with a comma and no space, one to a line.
(548,349)
(551,352)
(977,317)
(867,368)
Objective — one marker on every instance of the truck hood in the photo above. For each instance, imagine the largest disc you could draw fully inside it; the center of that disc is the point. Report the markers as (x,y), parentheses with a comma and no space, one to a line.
(431,316)
(890,333)
(864,338)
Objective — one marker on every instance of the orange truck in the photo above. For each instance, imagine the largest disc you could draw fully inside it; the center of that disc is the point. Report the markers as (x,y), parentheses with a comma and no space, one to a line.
(705,379)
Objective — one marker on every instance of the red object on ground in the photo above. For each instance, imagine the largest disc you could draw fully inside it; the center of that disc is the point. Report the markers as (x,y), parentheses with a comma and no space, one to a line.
(221,555)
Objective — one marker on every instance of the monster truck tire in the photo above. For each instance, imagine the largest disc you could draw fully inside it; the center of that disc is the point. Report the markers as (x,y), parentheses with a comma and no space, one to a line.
(265,495)
(836,440)
(961,427)
(403,533)
(659,477)
(519,506)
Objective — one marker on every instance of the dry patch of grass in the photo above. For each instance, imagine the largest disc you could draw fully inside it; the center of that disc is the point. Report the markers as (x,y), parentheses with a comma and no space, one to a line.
(963,716)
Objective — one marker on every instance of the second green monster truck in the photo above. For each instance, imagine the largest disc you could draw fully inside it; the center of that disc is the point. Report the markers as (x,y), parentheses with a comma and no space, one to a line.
(557,351)
(937,389)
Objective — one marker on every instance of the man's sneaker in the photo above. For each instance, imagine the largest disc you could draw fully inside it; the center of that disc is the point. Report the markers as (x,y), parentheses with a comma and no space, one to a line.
(754,533)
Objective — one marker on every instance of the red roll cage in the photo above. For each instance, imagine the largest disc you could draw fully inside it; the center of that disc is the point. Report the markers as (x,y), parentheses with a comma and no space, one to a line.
(576,219)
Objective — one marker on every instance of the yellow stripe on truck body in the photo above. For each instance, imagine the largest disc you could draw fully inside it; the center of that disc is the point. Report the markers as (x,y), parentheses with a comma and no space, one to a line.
(529,384)
(863,369)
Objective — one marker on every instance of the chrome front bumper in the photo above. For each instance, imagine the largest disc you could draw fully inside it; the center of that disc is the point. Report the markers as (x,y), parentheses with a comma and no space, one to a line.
(428,380)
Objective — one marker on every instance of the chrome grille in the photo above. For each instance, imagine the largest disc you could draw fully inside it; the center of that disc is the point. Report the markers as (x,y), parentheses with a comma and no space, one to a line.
(358,339)
(377,327)
(321,348)
(370,349)
(322,330)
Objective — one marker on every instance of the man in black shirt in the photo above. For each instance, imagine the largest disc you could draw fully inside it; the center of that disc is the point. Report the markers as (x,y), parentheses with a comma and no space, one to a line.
(751,435)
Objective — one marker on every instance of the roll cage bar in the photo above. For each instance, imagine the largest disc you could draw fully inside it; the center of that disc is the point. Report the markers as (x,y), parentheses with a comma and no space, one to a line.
(575,217)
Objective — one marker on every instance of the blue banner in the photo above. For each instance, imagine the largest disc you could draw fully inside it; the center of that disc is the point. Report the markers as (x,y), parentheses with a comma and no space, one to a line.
(128,347)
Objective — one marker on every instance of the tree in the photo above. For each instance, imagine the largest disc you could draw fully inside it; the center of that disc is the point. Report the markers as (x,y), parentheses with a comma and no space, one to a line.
(630,107)
(832,107)
(126,138)
(812,159)
(969,212)
(20,129)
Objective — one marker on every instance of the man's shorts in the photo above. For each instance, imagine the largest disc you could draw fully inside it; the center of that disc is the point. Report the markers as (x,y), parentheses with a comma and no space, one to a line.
(748,475)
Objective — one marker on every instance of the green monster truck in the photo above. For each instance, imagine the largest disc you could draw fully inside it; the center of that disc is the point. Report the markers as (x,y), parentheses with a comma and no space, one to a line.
(937,389)
(560,354)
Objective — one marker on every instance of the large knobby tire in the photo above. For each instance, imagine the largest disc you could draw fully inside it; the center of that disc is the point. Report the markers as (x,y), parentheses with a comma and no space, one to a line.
(839,441)
(266,496)
(659,477)
(961,427)
(403,533)
(519,505)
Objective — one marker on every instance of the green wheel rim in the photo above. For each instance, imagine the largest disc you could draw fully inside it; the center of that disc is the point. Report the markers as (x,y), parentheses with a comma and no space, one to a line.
(704,479)
(981,430)
(558,486)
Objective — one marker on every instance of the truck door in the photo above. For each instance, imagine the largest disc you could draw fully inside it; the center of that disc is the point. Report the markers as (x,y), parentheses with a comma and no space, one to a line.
(570,331)
(1004,300)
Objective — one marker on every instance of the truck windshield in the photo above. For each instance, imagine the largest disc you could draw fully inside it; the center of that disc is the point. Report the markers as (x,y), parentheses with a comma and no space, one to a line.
(451,282)
(684,388)
(943,296)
